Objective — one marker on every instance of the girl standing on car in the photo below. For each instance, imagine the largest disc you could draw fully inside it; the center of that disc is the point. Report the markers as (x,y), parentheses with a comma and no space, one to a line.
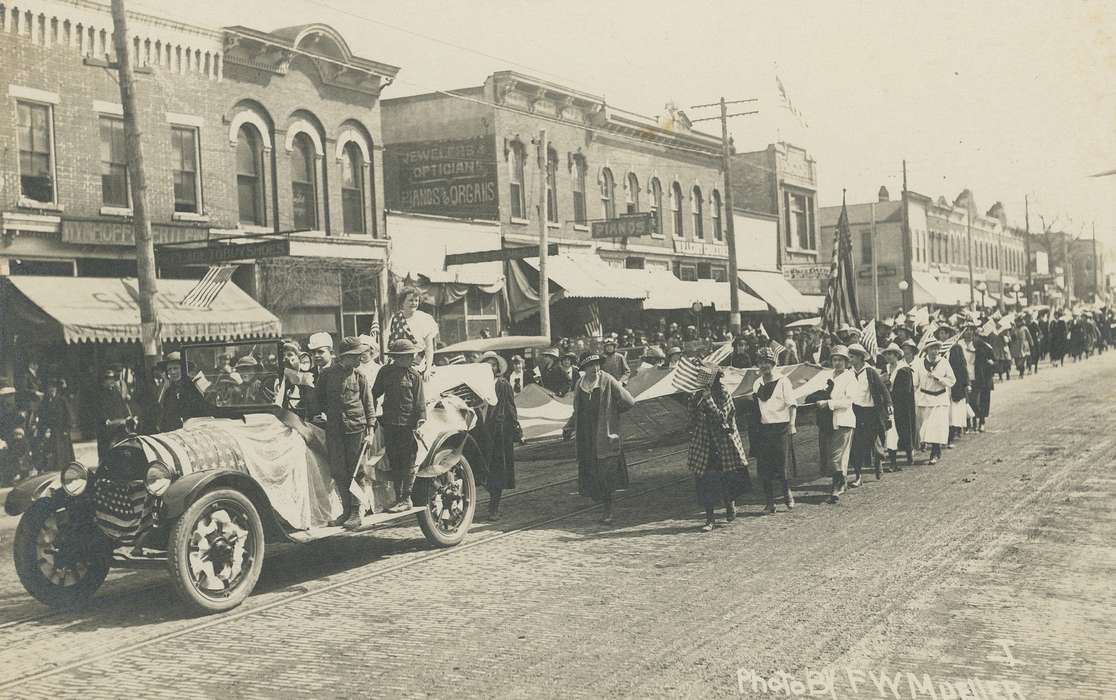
(502,431)
(416,326)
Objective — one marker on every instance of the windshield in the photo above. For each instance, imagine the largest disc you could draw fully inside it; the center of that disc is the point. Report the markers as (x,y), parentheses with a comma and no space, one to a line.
(234,375)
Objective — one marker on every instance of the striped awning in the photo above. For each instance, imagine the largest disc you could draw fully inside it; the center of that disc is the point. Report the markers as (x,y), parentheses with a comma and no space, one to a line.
(96,309)
(774,289)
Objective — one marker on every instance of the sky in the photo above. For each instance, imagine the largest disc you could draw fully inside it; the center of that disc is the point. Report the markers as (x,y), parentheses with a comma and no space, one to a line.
(1011,99)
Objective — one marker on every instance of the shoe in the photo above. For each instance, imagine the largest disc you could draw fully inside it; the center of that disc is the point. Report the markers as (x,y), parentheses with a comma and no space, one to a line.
(949,446)
(879,474)
(730,514)
(933,460)
(770,510)
(708,527)
(352,523)
(340,520)
(606,520)
(790,502)
(854,483)
(493,517)
(834,498)
(402,506)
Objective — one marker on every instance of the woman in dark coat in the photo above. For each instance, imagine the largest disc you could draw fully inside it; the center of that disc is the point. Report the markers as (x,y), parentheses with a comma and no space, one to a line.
(1077,339)
(716,455)
(899,378)
(502,431)
(56,415)
(1058,341)
(984,374)
(599,399)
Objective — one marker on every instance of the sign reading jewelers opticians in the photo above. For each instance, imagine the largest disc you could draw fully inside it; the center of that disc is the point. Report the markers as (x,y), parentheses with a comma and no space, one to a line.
(447,178)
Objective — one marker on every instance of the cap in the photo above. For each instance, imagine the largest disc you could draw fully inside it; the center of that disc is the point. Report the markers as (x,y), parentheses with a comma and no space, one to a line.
(403,346)
(858,349)
(589,359)
(320,340)
(351,346)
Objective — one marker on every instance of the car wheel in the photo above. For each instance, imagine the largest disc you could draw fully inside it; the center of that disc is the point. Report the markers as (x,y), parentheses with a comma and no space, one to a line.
(216,551)
(450,500)
(59,556)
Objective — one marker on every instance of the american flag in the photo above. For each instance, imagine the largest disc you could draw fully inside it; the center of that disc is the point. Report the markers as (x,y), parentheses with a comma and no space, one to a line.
(869,340)
(840,298)
(691,376)
(777,348)
(593,328)
(374,330)
(202,295)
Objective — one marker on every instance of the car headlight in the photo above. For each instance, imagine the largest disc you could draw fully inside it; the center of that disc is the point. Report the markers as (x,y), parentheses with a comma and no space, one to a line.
(75,478)
(159,477)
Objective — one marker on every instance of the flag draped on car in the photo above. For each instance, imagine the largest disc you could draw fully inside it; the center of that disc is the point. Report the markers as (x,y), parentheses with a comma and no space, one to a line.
(840,297)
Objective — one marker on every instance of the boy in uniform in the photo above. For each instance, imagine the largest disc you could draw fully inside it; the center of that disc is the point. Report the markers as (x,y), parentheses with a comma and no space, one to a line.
(404,411)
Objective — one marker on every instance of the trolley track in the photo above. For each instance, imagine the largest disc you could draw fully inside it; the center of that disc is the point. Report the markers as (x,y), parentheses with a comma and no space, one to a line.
(123,590)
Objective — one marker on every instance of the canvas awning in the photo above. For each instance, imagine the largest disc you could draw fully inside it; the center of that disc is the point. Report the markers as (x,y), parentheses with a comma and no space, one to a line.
(589,277)
(779,294)
(665,291)
(104,310)
(928,290)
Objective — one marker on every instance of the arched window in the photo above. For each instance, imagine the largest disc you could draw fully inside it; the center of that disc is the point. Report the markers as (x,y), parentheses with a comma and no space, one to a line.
(718,232)
(250,176)
(352,189)
(552,185)
(656,207)
(304,190)
(579,189)
(676,209)
(632,193)
(608,194)
(516,158)
(697,205)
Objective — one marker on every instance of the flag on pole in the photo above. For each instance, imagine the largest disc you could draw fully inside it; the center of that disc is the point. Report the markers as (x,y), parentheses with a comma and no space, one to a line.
(777,348)
(840,297)
(593,327)
(691,376)
(202,295)
(869,340)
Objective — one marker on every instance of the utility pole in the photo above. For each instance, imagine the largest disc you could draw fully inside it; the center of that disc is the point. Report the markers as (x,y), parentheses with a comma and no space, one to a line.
(1027,241)
(1096,269)
(908,252)
(875,266)
(729,214)
(969,230)
(544,281)
(137,181)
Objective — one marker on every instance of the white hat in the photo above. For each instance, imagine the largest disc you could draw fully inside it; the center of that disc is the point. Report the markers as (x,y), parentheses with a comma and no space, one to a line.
(369,342)
(320,340)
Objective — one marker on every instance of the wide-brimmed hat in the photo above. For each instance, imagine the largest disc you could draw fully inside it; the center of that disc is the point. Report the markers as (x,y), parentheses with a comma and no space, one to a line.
(858,349)
(551,352)
(403,346)
(351,346)
(247,362)
(571,356)
(320,340)
(766,354)
(588,359)
(839,351)
(609,340)
(170,358)
(932,344)
(368,342)
(908,343)
(894,348)
(110,373)
(501,363)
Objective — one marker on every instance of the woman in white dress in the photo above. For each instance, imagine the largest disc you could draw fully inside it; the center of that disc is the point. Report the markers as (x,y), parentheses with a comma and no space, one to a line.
(417,326)
(932,379)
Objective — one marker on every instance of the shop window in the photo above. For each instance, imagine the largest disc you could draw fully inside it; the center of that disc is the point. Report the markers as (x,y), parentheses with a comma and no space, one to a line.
(359,291)
(469,316)
(720,274)
(516,159)
(684,272)
(608,194)
(51,268)
(718,232)
(552,185)
(634,263)
(36,151)
(250,176)
(187,174)
(656,207)
(800,221)
(579,189)
(676,209)
(697,204)
(304,189)
(352,189)
(114,164)
(704,271)
(632,194)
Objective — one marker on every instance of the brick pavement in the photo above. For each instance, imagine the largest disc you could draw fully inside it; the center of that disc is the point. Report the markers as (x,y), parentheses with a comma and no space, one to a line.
(918,573)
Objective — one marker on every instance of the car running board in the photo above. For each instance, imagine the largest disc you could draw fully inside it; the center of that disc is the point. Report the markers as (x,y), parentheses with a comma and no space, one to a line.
(367,522)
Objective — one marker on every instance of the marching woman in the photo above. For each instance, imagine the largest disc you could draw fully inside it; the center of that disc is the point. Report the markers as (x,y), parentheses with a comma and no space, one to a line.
(771,428)
(933,379)
(961,363)
(1059,339)
(837,409)
(716,455)
(984,374)
(502,431)
(599,399)
(900,382)
(872,408)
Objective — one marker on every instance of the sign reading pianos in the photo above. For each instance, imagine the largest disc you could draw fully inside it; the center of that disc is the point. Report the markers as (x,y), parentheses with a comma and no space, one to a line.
(624,226)
(449,178)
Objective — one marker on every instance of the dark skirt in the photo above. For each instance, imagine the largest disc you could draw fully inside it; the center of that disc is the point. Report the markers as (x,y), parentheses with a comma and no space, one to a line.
(501,458)
(715,488)
(597,478)
(770,450)
(980,399)
(864,437)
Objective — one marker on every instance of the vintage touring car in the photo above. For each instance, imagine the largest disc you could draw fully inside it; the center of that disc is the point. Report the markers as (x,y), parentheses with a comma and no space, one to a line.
(242,472)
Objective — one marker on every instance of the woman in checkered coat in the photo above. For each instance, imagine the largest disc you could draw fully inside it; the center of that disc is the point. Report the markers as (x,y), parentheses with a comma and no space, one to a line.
(717,458)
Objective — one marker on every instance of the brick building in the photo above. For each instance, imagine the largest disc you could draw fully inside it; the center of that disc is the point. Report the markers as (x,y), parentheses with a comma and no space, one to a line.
(244,133)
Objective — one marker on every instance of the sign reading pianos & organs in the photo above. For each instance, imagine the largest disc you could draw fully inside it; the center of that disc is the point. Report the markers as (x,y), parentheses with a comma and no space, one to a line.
(449,178)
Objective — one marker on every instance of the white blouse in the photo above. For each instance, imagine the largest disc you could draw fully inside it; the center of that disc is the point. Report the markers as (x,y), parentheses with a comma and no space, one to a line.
(841,399)
(777,408)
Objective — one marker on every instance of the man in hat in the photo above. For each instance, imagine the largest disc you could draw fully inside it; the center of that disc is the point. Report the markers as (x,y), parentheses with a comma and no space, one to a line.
(170,396)
(933,379)
(321,350)
(250,391)
(615,363)
(550,374)
(567,363)
(741,358)
(56,415)
(346,398)
(871,403)
(116,419)
(400,385)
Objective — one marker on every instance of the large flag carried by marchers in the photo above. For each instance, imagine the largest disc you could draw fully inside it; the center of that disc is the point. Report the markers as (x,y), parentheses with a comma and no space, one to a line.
(840,297)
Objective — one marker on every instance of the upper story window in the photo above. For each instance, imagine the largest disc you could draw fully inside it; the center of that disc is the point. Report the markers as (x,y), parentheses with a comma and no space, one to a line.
(352,189)
(800,221)
(36,151)
(697,203)
(608,194)
(552,185)
(516,158)
(656,207)
(579,189)
(866,245)
(304,189)
(187,174)
(676,209)
(632,194)
(114,164)
(250,176)
(718,231)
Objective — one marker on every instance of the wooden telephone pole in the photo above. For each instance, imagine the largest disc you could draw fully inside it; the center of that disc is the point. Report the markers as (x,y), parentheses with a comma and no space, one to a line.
(544,280)
(137,181)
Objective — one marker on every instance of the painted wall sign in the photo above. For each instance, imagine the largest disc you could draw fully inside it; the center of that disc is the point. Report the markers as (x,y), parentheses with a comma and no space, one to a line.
(448,178)
(626,226)
(223,252)
(100,232)
(701,249)
(806,272)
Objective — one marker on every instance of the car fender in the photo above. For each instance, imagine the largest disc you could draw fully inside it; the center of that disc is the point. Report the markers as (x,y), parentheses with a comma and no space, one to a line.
(30,490)
(458,442)
(184,491)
